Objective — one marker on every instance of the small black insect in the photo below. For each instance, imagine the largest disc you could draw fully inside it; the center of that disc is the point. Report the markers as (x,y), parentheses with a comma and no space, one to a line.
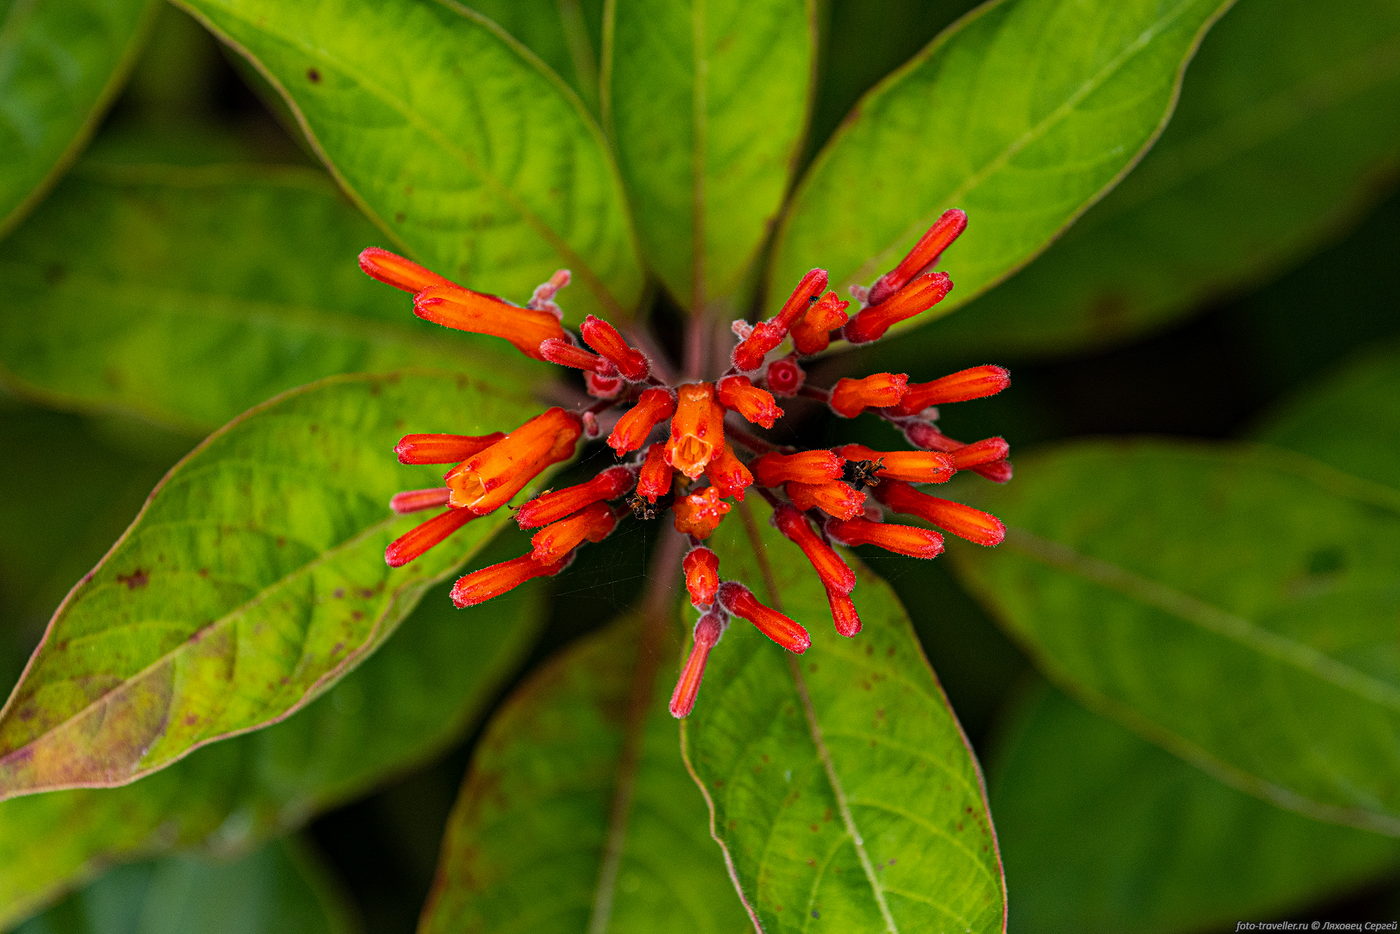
(645,510)
(862,474)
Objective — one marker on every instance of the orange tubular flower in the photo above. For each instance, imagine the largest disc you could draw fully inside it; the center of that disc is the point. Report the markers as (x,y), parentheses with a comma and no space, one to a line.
(418,500)
(835,574)
(393,269)
(480,586)
(728,474)
(675,454)
(424,536)
(701,569)
(976,382)
(465,310)
(593,524)
(443,449)
(654,478)
(739,394)
(708,629)
(767,335)
(803,467)
(843,613)
(924,254)
(739,600)
(653,407)
(833,498)
(901,539)
(555,505)
(915,298)
(487,479)
(605,339)
(697,429)
(699,514)
(912,466)
(974,525)
(812,334)
(850,397)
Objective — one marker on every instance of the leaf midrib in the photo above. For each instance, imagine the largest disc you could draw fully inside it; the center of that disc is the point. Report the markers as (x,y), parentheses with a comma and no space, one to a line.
(574,260)
(881,258)
(1206,617)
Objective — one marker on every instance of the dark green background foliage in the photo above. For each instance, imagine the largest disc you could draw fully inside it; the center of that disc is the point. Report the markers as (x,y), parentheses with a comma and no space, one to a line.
(1179,675)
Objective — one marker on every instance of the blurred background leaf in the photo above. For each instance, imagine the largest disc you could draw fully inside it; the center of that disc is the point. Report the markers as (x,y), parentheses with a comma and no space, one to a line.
(839,783)
(130,294)
(253,579)
(578,813)
(1235,604)
(419,692)
(706,103)
(61,63)
(1276,147)
(568,37)
(1103,832)
(452,138)
(280,886)
(1021,133)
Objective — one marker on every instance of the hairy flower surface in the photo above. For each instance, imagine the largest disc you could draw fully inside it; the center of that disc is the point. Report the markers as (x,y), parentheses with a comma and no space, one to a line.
(685,450)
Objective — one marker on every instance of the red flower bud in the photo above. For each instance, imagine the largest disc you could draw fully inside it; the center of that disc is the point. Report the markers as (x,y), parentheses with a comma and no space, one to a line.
(924,254)
(480,586)
(812,334)
(487,479)
(697,429)
(708,629)
(901,539)
(833,498)
(815,466)
(555,505)
(963,521)
(739,600)
(654,479)
(701,567)
(593,524)
(653,407)
(785,377)
(478,313)
(850,397)
(924,435)
(605,339)
(986,451)
(565,353)
(973,383)
(728,474)
(843,613)
(912,466)
(699,514)
(443,449)
(767,335)
(603,387)
(739,394)
(418,500)
(424,536)
(393,269)
(918,296)
(835,574)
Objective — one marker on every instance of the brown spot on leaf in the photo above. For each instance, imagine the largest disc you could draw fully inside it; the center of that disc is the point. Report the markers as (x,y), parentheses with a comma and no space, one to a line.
(135,580)
(400,217)
(357,614)
(313,76)
(338,593)
(191,719)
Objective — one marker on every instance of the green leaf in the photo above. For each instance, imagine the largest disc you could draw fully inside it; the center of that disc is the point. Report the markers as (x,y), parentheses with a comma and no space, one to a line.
(188,295)
(1276,146)
(253,579)
(452,137)
(410,699)
(577,814)
(1103,832)
(1023,114)
(61,63)
(840,785)
(566,41)
(281,887)
(706,101)
(1233,604)
(1349,420)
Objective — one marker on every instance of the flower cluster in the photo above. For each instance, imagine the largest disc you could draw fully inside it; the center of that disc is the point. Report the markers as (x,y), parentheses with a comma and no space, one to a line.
(689,447)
